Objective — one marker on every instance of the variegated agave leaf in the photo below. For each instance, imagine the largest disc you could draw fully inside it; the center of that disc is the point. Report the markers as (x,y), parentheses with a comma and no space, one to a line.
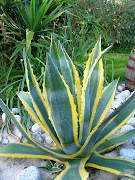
(74,117)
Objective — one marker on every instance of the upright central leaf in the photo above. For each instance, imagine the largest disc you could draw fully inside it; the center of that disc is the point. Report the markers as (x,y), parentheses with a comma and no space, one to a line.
(63,109)
(67,69)
(91,91)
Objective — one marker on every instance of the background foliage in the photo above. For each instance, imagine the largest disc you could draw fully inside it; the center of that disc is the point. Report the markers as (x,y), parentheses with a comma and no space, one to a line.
(117,17)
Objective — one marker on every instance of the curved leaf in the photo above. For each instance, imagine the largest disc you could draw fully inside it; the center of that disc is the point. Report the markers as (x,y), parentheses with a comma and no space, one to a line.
(26,101)
(115,141)
(116,166)
(23,150)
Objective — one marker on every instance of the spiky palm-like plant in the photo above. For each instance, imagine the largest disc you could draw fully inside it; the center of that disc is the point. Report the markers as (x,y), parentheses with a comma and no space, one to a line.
(74,116)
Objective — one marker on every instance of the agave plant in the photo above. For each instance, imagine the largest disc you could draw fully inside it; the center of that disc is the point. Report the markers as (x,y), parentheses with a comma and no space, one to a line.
(74,115)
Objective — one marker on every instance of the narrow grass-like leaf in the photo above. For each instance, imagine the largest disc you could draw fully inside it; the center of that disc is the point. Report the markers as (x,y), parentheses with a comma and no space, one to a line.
(53,15)
(32,12)
(42,11)
(10,68)
(23,14)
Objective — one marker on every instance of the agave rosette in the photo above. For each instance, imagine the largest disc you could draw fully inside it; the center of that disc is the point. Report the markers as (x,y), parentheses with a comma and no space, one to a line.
(74,116)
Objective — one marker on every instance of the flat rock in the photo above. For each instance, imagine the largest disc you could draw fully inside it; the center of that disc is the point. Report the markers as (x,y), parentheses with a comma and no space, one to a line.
(111,154)
(128,153)
(37,137)
(131,121)
(30,173)
(47,139)
(17,117)
(126,128)
(123,95)
(36,128)
(103,175)
(121,88)
(15,110)
(127,143)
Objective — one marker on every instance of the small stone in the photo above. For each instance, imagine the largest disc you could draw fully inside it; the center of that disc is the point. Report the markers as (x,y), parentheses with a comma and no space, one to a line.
(116,133)
(133,140)
(115,106)
(15,110)
(116,92)
(3,117)
(36,128)
(17,117)
(126,93)
(17,132)
(127,143)
(123,95)
(131,121)
(37,137)
(120,96)
(128,153)
(119,100)
(47,139)
(30,173)
(131,146)
(111,154)
(126,128)
(120,88)
(111,110)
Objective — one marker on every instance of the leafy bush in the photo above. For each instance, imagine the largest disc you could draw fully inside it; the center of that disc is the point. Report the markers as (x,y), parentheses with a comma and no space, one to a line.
(117,17)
